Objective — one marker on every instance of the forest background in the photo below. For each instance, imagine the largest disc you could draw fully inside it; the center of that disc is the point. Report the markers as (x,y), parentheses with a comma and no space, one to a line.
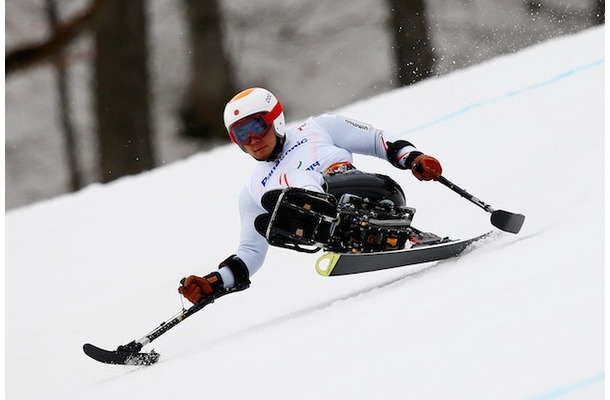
(100,89)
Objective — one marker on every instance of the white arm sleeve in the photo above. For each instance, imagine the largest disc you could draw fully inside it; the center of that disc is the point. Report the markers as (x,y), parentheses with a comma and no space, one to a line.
(359,137)
(252,246)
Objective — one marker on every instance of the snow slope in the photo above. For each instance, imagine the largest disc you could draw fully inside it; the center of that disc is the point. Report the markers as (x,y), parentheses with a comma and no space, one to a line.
(521,317)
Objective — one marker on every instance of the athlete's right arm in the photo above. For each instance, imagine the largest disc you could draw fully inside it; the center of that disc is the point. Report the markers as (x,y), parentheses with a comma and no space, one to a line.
(252,246)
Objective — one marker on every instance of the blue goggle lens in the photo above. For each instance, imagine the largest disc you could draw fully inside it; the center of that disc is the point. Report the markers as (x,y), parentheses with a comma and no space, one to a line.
(251,127)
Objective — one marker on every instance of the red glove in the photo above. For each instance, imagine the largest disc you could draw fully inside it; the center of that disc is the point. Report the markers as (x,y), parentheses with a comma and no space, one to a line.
(194,287)
(426,168)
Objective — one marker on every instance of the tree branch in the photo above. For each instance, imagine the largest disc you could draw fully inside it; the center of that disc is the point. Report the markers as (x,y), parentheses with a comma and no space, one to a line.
(32,54)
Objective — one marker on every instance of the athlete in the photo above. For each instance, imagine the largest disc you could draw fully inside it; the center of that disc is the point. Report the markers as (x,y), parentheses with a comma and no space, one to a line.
(299,157)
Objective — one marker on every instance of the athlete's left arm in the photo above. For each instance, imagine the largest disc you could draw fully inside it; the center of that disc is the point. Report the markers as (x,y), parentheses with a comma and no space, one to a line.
(362,138)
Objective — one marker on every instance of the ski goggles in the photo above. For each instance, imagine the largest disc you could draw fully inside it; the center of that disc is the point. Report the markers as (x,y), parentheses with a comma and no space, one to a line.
(255,126)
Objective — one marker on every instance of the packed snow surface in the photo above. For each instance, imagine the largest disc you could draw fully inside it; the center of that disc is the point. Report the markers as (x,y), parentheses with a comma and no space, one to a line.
(520,317)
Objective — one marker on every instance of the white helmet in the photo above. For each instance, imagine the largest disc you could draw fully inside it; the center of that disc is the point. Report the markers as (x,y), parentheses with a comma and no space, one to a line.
(251,102)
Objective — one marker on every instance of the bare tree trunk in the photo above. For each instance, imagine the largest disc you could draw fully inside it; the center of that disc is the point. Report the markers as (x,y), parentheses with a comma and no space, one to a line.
(70,144)
(413,51)
(211,81)
(599,13)
(122,90)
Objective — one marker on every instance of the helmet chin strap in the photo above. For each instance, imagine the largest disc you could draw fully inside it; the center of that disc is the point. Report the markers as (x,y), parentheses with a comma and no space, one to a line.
(277,149)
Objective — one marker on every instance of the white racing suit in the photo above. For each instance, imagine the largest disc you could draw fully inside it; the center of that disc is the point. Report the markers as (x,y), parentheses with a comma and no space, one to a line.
(309,151)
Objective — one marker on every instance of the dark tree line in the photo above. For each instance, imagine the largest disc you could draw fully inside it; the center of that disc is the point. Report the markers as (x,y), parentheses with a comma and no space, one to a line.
(121,88)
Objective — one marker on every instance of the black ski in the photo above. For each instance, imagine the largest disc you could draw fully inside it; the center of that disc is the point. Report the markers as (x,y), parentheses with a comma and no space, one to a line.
(334,264)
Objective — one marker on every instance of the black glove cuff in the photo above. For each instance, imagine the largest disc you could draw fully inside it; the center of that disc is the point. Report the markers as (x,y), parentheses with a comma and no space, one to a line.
(395,147)
(239,270)
(215,280)
(411,157)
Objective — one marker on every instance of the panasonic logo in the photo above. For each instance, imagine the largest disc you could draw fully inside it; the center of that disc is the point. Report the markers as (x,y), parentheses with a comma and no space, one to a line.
(277,163)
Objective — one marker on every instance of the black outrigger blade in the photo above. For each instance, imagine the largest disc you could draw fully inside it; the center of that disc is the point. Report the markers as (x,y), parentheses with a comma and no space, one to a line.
(124,355)
(507,221)
(501,219)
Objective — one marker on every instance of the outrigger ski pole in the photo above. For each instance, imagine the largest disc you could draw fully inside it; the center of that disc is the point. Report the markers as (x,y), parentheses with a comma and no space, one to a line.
(129,354)
(501,219)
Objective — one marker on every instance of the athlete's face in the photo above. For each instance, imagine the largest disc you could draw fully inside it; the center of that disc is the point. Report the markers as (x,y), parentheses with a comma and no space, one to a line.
(261,147)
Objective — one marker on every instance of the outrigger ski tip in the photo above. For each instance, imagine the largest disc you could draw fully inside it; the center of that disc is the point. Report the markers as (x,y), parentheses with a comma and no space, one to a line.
(129,354)
(507,221)
(501,219)
(122,355)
